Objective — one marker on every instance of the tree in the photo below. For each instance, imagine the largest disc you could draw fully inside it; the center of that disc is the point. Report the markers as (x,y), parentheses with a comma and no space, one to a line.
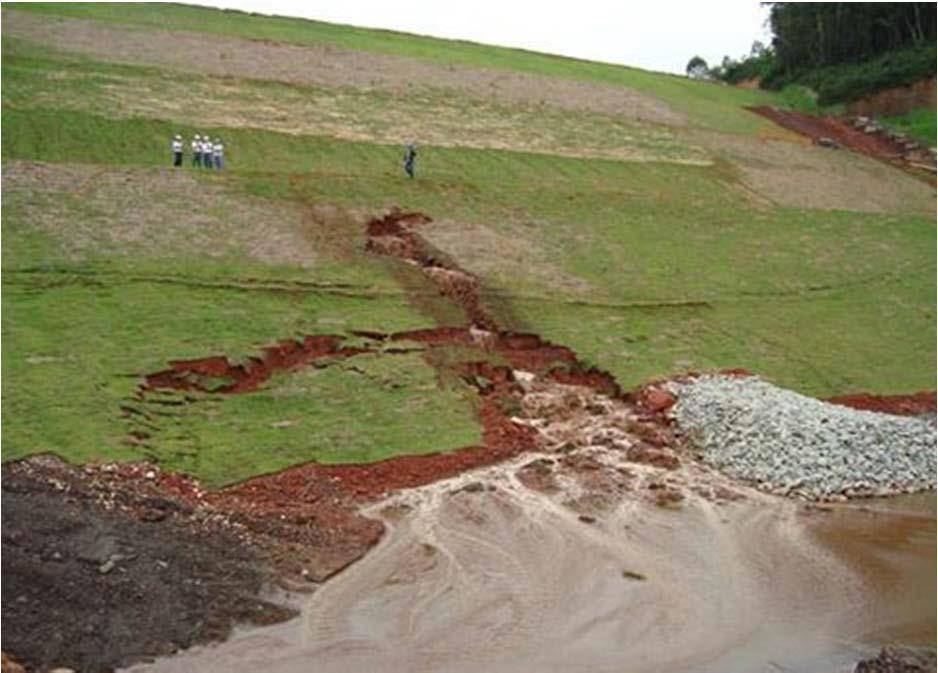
(811,35)
(697,68)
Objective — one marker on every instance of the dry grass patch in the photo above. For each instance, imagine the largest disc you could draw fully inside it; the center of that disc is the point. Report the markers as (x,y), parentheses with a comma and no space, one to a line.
(800,175)
(443,119)
(325,65)
(512,260)
(89,211)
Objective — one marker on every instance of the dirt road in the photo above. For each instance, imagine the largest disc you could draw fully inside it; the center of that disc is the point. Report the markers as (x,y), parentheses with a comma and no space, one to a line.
(480,572)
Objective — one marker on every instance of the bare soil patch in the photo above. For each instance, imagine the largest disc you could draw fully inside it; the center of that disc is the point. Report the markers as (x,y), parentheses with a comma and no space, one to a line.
(100,572)
(900,405)
(823,130)
(146,210)
(833,128)
(897,100)
(226,56)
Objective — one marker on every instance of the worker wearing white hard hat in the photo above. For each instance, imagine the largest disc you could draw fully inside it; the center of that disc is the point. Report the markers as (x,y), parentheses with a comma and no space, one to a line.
(207,151)
(177,150)
(218,153)
(196,150)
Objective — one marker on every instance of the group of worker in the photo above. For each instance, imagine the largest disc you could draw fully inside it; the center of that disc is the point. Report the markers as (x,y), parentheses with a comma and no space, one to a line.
(206,153)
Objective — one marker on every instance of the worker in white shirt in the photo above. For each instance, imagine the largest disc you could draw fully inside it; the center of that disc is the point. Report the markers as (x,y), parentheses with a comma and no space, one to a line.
(196,150)
(206,151)
(177,150)
(218,152)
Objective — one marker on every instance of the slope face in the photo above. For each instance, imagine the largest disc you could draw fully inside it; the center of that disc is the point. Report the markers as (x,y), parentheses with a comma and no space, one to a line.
(646,221)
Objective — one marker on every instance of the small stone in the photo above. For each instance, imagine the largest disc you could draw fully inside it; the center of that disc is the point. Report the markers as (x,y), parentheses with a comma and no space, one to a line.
(107,566)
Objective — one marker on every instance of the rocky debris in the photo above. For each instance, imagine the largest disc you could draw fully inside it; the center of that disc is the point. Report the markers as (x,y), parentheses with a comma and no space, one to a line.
(655,399)
(538,475)
(829,143)
(899,660)
(650,455)
(795,445)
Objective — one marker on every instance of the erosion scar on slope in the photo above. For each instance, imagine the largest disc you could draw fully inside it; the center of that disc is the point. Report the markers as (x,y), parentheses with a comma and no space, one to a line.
(394,235)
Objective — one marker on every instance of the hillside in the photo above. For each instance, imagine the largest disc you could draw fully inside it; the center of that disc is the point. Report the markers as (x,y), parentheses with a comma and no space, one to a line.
(646,221)
(235,364)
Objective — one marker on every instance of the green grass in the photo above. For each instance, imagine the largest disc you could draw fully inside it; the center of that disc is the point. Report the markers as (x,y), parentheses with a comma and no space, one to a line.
(712,105)
(918,124)
(76,346)
(359,410)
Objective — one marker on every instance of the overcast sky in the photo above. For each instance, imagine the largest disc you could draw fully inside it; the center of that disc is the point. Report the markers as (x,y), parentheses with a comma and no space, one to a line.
(655,35)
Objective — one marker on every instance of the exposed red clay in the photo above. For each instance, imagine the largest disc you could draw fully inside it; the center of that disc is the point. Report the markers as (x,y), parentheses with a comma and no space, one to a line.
(831,127)
(393,236)
(900,405)
(228,377)
(876,145)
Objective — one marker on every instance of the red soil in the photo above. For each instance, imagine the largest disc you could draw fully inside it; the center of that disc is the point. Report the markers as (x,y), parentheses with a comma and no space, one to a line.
(900,405)
(829,127)
(242,378)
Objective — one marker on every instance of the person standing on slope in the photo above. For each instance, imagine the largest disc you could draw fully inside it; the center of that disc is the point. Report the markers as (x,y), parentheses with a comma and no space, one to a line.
(206,151)
(177,150)
(196,150)
(410,155)
(218,152)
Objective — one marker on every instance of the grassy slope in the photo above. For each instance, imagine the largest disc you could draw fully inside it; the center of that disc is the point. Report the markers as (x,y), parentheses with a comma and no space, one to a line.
(922,125)
(34,76)
(821,301)
(709,104)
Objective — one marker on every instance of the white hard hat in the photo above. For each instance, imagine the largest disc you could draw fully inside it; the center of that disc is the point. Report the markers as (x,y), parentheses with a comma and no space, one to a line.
(197,136)
(178,137)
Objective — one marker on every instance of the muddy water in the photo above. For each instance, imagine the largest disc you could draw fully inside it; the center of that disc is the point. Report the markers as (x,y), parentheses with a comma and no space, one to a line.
(509,579)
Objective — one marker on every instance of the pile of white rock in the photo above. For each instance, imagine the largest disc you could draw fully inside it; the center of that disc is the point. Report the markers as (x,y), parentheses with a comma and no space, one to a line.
(790,444)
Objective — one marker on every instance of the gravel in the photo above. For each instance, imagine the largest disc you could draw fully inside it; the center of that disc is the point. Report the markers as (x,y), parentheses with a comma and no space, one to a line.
(795,445)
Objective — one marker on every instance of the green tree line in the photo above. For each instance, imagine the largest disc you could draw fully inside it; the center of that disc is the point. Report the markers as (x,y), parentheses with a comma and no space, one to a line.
(842,51)
(816,34)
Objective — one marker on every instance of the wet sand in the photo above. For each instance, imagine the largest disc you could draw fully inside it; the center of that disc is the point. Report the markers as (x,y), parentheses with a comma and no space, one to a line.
(510,579)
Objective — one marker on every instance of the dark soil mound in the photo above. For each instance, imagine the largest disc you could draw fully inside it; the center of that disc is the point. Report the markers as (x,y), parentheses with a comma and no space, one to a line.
(94,579)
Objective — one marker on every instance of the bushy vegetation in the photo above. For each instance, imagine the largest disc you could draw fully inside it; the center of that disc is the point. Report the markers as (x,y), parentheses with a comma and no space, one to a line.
(850,81)
(843,51)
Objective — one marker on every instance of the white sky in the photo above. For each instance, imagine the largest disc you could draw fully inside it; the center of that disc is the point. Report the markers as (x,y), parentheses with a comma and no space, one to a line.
(647,34)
